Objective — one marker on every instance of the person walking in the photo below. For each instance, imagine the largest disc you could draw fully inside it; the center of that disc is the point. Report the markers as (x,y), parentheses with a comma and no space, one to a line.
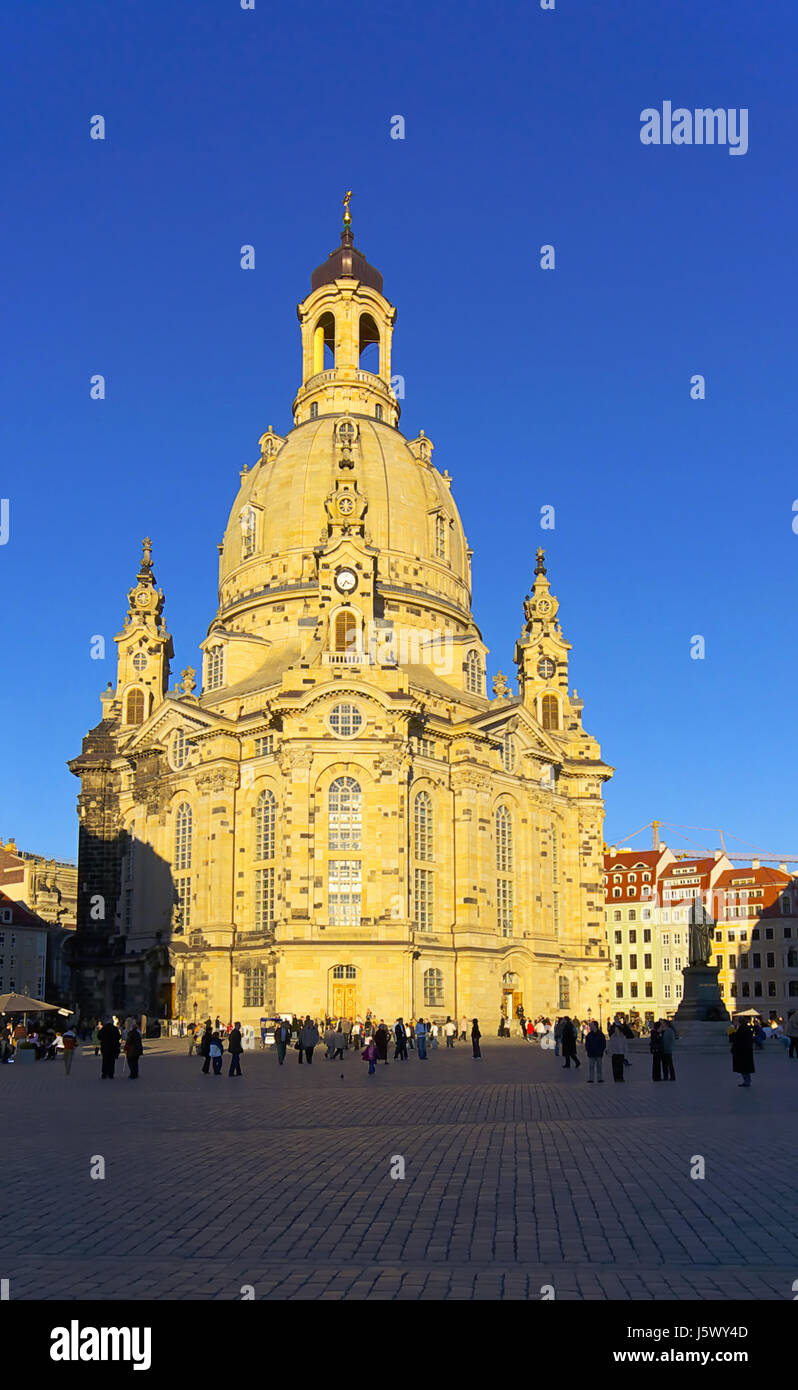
(463,1028)
(792,1033)
(205,1047)
(381,1043)
(450,1031)
(192,1038)
(95,1037)
(475,1037)
(656,1048)
(595,1047)
(500,1032)
(558,1032)
(568,1043)
(742,1051)
(521,1016)
(235,1047)
(339,1039)
(216,1053)
(400,1039)
(669,1036)
(70,1042)
(618,1051)
(308,1038)
(109,1049)
(133,1050)
(421,1040)
(411,1034)
(282,1037)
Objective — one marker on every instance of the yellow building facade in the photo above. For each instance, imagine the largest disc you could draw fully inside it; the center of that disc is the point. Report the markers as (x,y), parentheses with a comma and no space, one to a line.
(342,818)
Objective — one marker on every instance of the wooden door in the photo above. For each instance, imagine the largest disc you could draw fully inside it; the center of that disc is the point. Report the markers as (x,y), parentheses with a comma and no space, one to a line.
(343,1001)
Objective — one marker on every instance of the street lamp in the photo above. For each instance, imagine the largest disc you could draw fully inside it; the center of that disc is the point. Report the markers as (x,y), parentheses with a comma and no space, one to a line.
(600,1002)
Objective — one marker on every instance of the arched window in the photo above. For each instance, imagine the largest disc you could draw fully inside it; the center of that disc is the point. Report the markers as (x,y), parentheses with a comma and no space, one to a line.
(214,667)
(314,410)
(473,673)
(440,538)
(264,826)
(550,712)
(249,526)
(345,802)
(369,345)
(344,972)
(345,631)
(324,343)
(183,832)
(134,709)
(433,988)
(565,993)
(504,840)
(422,816)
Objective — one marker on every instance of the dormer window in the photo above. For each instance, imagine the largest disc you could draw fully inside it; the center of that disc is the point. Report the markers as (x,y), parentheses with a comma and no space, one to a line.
(214,667)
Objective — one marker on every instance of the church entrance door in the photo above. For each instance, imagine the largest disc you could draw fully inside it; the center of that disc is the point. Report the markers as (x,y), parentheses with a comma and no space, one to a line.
(513,999)
(343,1001)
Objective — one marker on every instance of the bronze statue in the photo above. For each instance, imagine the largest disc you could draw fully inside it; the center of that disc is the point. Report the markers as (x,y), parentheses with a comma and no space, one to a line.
(702,933)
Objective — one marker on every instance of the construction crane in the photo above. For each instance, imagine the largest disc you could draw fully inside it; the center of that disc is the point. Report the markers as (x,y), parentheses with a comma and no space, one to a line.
(764,856)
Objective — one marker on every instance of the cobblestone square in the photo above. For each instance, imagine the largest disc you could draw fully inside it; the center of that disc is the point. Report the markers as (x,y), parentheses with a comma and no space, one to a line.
(518,1174)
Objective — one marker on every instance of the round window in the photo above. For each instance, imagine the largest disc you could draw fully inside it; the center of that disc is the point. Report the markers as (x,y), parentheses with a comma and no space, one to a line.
(546,668)
(346,720)
(139,661)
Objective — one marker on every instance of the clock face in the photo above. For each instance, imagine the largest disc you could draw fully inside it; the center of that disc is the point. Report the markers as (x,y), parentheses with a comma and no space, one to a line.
(345,581)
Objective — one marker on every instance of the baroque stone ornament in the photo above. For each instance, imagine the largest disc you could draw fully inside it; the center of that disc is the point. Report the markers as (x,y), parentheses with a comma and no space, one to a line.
(188,683)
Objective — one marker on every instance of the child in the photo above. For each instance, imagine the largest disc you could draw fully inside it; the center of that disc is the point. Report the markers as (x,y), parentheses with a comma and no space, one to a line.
(369,1054)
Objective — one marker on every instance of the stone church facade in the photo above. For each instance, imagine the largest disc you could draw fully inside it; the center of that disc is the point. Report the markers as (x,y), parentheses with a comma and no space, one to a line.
(341,817)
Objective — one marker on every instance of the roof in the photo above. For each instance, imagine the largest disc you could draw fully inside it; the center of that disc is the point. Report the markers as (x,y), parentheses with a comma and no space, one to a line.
(21,916)
(346,262)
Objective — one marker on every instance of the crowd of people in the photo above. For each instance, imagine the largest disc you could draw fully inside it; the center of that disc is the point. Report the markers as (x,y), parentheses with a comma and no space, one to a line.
(372,1038)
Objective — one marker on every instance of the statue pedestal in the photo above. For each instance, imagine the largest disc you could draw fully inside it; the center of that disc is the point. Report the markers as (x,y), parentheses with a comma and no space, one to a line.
(702,1020)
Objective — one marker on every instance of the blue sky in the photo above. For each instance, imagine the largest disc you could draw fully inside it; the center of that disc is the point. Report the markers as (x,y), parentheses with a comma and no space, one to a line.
(568,387)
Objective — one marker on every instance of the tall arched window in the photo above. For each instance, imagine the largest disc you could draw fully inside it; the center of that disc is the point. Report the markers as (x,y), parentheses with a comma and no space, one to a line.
(505,892)
(182,861)
(134,709)
(433,988)
(345,803)
(183,835)
(565,993)
(504,840)
(264,826)
(345,631)
(473,673)
(265,816)
(179,750)
(550,712)
(508,752)
(440,538)
(422,817)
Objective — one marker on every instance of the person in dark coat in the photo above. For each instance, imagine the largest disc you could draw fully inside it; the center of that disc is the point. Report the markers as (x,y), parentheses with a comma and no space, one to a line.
(110,1041)
(381,1043)
(742,1051)
(475,1037)
(235,1047)
(656,1048)
(205,1047)
(133,1050)
(400,1037)
(568,1044)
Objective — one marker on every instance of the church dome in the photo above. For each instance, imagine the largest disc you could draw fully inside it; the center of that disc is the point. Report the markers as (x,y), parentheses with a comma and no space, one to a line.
(279,517)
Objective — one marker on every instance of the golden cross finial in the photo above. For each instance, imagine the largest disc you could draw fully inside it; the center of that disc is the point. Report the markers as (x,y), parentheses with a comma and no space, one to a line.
(347,213)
